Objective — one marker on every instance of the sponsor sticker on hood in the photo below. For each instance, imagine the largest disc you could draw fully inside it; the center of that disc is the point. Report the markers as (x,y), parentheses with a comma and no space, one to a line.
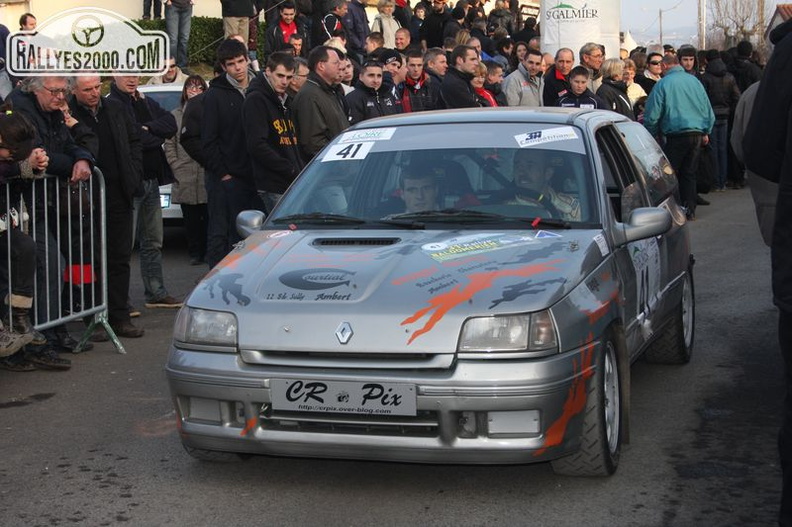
(458,247)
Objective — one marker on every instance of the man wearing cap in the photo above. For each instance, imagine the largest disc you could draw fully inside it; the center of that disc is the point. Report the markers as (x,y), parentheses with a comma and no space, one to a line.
(456,91)
(687,59)
(456,24)
(394,73)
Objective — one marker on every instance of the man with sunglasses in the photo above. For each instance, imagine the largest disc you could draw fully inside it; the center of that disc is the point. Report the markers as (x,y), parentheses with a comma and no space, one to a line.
(174,75)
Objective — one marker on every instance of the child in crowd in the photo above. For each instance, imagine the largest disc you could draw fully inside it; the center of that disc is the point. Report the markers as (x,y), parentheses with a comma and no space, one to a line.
(580,96)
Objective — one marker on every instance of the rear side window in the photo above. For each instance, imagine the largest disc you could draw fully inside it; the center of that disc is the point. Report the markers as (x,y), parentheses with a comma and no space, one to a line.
(651,161)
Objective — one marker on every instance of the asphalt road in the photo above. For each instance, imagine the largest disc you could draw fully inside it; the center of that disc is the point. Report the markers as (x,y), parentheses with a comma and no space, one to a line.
(98,445)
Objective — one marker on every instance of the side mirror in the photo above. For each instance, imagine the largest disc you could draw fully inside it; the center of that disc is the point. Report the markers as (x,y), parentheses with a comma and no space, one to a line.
(644,222)
(249,221)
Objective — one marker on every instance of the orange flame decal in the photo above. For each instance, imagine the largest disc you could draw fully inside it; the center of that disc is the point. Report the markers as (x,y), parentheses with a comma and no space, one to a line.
(442,304)
(575,401)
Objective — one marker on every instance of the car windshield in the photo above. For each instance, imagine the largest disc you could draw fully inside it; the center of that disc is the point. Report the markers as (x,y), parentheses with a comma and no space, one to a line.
(433,176)
(168,99)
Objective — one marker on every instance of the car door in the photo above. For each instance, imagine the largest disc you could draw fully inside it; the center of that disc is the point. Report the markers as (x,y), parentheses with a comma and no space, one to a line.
(639,262)
(654,169)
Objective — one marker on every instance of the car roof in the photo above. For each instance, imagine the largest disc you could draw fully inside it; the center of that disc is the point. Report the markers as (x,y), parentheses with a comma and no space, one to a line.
(160,87)
(568,116)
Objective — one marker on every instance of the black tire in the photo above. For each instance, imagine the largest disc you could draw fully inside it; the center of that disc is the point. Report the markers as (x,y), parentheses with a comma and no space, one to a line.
(600,443)
(675,344)
(213,456)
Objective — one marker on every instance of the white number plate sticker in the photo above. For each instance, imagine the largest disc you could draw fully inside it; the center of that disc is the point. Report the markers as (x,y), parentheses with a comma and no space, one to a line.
(371,398)
(348,152)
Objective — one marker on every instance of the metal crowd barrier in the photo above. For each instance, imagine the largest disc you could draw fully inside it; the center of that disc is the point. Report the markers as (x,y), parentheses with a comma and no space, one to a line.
(68,224)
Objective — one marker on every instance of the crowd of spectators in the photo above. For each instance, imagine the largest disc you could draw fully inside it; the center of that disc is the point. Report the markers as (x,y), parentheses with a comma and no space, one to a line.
(237,141)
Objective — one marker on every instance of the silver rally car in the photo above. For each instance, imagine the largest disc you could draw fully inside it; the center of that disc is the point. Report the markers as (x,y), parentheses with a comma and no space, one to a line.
(444,287)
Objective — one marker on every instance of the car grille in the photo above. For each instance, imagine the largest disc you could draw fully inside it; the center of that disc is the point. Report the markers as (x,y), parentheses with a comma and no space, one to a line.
(425,424)
(325,360)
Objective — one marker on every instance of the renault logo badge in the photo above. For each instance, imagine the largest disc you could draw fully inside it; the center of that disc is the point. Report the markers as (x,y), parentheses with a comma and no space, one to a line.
(344,332)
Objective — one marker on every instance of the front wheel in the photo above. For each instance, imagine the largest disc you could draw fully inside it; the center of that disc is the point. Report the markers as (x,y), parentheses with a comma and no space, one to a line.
(675,344)
(600,443)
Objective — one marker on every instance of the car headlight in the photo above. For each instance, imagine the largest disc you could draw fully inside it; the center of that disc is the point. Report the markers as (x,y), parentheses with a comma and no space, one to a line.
(205,327)
(510,333)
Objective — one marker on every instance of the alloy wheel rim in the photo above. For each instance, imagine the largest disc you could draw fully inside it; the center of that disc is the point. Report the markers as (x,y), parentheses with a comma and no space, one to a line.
(612,408)
(687,313)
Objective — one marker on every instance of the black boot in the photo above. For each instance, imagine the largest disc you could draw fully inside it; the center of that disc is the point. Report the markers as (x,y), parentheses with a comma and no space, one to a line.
(20,322)
(64,341)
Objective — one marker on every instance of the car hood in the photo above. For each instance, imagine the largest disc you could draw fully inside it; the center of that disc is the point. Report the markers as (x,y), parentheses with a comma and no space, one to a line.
(389,291)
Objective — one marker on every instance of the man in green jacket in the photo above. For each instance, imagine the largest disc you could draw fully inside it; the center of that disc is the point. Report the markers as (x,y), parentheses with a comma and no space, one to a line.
(679,110)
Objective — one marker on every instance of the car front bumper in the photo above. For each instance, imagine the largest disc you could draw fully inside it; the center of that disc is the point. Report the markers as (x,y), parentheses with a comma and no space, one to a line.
(477,412)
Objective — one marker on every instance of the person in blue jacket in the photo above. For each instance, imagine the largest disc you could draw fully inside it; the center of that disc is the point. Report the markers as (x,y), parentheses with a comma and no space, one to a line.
(679,110)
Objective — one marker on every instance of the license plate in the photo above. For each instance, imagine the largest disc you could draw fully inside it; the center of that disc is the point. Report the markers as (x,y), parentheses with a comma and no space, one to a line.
(165,200)
(369,398)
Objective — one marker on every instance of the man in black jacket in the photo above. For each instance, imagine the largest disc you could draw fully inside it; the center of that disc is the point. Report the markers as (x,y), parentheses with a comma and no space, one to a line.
(723,93)
(120,158)
(745,71)
(154,125)
(421,93)
(555,81)
(229,174)
(320,110)
(768,152)
(457,92)
(433,26)
(370,98)
(269,129)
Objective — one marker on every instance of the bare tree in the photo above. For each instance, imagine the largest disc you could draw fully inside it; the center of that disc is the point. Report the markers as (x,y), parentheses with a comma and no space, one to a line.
(738,20)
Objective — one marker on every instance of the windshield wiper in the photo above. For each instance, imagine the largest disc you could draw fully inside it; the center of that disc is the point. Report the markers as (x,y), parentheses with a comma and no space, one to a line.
(406,224)
(319,217)
(448,215)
